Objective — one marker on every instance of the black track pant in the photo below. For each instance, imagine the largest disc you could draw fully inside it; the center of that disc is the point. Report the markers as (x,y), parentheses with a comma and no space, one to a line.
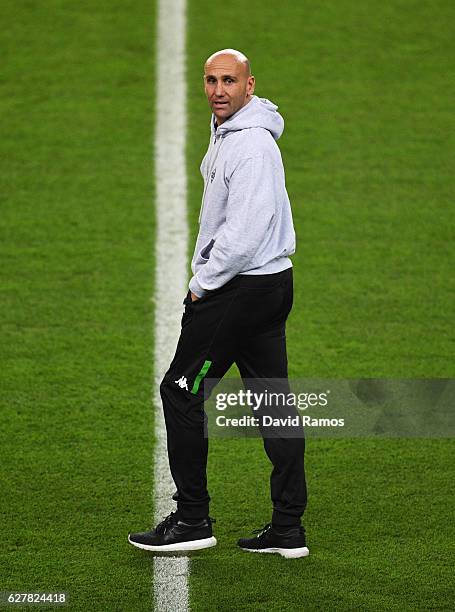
(242,322)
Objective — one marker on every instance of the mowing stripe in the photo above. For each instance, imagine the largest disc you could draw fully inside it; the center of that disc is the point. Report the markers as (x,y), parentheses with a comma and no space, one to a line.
(170,573)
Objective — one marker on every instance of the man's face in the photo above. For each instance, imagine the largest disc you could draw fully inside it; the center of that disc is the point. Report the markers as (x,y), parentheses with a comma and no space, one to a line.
(228,86)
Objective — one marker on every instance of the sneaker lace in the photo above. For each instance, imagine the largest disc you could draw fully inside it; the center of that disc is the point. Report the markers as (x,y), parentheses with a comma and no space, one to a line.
(167,522)
(170,520)
(263,530)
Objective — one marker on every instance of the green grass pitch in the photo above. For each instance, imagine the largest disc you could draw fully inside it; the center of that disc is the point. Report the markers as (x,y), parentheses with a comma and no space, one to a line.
(366,90)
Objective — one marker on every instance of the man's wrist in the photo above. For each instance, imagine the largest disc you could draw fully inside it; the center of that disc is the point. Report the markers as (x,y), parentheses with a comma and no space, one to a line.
(196,288)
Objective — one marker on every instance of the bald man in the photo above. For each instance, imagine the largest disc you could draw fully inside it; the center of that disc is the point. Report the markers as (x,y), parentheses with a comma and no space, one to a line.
(236,308)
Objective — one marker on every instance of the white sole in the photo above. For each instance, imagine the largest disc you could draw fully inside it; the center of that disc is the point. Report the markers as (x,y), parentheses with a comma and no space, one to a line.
(191,545)
(288,553)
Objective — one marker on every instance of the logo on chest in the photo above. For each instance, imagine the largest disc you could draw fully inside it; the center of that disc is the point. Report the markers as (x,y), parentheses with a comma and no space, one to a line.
(212,176)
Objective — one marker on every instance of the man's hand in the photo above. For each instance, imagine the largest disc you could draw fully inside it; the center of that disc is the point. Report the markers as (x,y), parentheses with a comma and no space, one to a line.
(194,297)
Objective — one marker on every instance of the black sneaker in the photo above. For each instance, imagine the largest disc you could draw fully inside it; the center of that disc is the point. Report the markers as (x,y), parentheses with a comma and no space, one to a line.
(289,542)
(173,534)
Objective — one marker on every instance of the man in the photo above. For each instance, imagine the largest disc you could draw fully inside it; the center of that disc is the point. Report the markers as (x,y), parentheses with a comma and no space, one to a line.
(236,308)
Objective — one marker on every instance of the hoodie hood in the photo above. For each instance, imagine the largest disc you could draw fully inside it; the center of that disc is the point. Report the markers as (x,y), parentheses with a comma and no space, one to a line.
(259,112)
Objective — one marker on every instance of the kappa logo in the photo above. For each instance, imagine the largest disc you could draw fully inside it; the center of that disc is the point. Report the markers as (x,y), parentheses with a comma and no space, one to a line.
(212,176)
(181,382)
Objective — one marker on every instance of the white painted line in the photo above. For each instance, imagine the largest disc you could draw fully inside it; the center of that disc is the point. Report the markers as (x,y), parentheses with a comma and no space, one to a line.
(170,580)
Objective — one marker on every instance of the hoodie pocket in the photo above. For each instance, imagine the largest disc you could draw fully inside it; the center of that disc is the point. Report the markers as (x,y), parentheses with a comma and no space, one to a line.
(205,252)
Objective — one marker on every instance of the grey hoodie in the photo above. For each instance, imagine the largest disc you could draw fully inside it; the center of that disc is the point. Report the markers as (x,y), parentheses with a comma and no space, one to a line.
(245,222)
